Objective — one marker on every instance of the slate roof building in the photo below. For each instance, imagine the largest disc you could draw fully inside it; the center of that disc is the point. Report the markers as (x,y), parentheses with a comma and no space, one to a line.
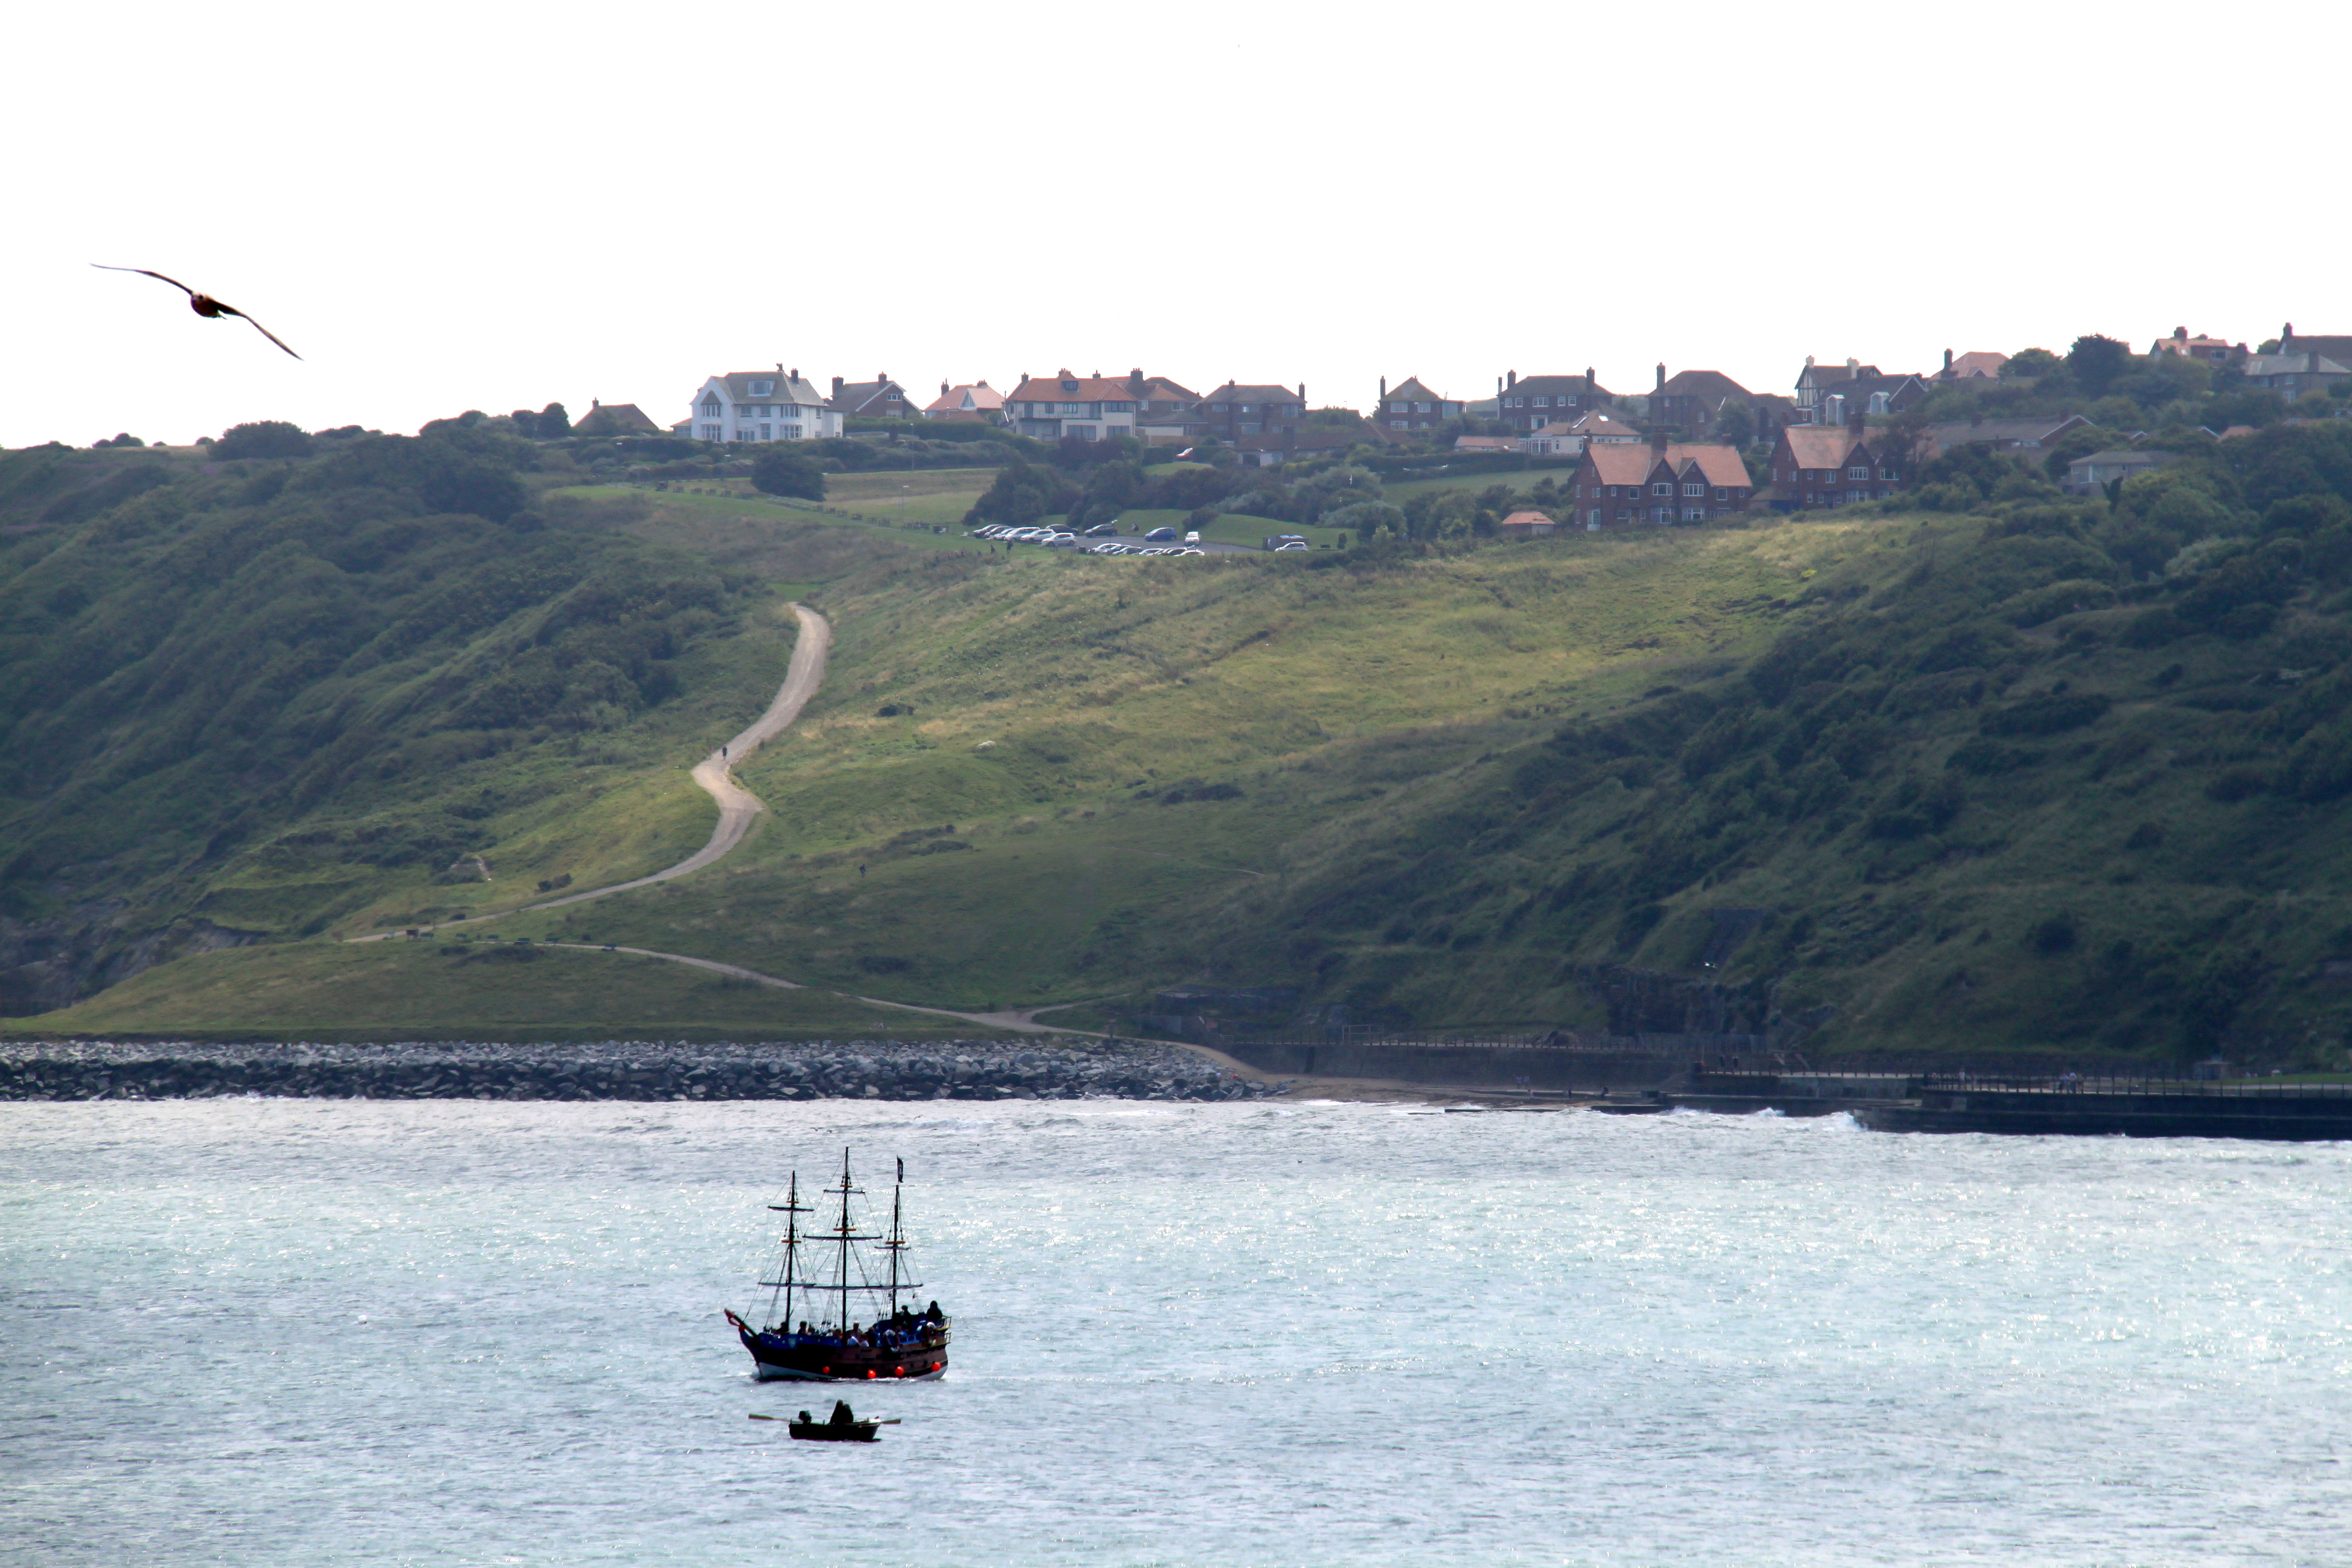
(2212,351)
(1618,484)
(2338,349)
(881,398)
(1693,400)
(1566,438)
(2293,374)
(2089,476)
(1977,365)
(1529,404)
(1814,378)
(1840,400)
(2002,434)
(759,405)
(1234,413)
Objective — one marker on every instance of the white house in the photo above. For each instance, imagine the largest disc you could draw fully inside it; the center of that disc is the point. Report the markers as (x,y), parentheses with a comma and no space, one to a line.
(759,405)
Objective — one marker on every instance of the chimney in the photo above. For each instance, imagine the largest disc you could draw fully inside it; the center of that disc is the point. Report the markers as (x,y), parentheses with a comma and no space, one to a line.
(836,386)
(1661,375)
(1302,395)
(1947,359)
(1384,386)
(1809,361)
(1857,421)
(2180,334)
(880,376)
(1853,368)
(1137,372)
(796,374)
(1590,382)
(1510,378)
(1658,443)
(779,370)
(596,403)
(943,389)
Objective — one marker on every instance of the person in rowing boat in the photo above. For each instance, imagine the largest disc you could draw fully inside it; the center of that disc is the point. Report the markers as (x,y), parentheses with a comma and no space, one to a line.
(842,1414)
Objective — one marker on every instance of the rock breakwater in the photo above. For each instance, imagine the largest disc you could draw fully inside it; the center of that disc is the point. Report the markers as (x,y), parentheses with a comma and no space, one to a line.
(616,1070)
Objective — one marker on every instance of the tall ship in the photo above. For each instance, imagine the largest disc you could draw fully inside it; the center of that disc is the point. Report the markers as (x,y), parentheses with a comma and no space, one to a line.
(835,1312)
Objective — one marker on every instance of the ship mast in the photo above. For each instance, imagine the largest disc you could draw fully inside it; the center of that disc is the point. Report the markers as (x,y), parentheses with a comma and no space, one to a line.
(843,1236)
(898,1242)
(792,1208)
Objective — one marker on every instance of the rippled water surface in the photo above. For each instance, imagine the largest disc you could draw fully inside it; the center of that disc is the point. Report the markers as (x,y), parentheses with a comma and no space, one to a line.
(289,1331)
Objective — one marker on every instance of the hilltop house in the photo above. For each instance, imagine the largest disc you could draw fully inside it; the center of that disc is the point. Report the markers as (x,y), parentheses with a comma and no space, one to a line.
(1566,438)
(881,398)
(1977,365)
(1234,412)
(2091,475)
(1815,379)
(2027,437)
(1412,406)
(1092,407)
(1835,465)
(759,405)
(1619,483)
(614,419)
(1528,405)
(2338,349)
(1840,400)
(2213,351)
(973,401)
(2292,375)
(1693,400)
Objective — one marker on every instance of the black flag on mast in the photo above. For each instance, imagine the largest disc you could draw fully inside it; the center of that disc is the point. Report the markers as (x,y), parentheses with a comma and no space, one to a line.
(902,1167)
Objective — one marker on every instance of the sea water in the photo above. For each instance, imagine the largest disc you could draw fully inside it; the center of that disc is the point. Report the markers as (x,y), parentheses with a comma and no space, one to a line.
(297,1332)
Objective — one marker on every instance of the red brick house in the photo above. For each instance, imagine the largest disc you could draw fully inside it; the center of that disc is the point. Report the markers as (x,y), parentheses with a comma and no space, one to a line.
(1234,413)
(1835,465)
(1621,483)
(1693,400)
(1411,407)
(615,419)
(1094,407)
(1528,405)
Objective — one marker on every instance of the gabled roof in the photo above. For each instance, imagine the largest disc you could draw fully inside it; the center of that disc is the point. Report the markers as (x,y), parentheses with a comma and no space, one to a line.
(2129,456)
(1700,383)
(2338,349)
(1594,423)
(1974,364)
(2300,363)
(2034,432)
(1820,374)
(735,385)
(1819,446)
(1631,463)
(971,397)
(1412,390)
(1527,519)
(857,395)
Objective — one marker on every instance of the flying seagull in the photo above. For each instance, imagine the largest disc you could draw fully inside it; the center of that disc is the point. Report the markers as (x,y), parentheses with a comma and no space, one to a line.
(202,304)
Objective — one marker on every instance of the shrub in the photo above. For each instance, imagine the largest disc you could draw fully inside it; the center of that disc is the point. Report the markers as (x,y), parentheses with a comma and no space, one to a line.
(262,438)
(2053,936)
(781,471)
(2051,714)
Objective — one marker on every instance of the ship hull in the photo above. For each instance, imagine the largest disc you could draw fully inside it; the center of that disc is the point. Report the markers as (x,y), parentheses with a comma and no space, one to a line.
(774,1363)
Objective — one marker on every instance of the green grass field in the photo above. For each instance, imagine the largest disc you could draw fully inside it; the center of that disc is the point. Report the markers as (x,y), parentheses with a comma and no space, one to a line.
(403,990)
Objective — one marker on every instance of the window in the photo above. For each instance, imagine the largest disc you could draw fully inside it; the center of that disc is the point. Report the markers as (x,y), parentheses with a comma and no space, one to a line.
(710,408)
(1721,493)
(1861,472)
(1662,489)
(1695,490)
(1886,473)
(762,388)
(763,432)
(1594,520)
(1511,403)
(1543,403)
(1613,492)
(1400,408)
(789,432)
(1221,407)
(1421,409)
(710,432)
(1070,408)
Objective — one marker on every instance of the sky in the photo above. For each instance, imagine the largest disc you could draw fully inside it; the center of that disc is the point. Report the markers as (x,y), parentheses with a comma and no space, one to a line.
(449,206)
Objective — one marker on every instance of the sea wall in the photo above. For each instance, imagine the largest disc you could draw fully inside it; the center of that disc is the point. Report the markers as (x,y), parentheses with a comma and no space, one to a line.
(1467,1066)
(617,1070)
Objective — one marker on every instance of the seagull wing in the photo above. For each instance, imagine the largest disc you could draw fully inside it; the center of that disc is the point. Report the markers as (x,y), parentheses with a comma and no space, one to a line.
(142,272)
(265,331)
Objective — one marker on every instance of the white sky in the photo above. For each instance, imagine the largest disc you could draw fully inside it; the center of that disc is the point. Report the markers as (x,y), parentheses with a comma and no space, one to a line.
(444,206)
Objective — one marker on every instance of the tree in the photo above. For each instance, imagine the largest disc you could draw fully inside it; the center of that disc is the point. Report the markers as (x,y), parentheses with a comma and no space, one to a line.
(554,423)
(2095,361)
(526,422)
(1022,494)
(781,471)
(2031,364)
(262,438)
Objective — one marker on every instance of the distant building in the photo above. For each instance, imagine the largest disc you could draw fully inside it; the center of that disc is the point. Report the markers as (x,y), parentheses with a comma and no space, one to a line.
(881,398)
(2212,351)
(975,401)
(1977,365)
(1566,438)
(1092,407)
(614,419)
(1622,483)
(2293,374)
(1835,465)
(2338,349)
(2089,476)
(1234,413)
(1528,405)
(1485,444)
(2028,435)
(1693,400)
(1814,378)
(1411,407)
(1840,400)
(760,405)
(1527,525)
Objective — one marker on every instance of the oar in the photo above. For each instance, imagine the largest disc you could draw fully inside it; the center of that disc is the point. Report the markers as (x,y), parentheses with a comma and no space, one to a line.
(862,1421)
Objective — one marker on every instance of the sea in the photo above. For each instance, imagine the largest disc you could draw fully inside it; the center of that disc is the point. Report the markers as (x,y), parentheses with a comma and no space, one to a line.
(264,1331)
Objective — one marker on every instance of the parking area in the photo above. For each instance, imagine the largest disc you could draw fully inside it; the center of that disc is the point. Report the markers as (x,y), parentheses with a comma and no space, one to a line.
(1112,543)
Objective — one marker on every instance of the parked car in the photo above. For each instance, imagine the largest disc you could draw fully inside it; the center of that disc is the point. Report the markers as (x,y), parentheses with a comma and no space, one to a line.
(1161,535)
(1103,529)
(1291,544)
(1110,549)
(1276,541)
(1192,536)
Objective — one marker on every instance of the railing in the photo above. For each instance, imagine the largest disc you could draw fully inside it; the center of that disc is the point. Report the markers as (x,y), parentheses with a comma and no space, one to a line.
(2137,1084)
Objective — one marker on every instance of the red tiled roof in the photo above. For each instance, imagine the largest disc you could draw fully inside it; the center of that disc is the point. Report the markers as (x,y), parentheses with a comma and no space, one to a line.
(1701,383)
(1631,462)
(1818,446)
